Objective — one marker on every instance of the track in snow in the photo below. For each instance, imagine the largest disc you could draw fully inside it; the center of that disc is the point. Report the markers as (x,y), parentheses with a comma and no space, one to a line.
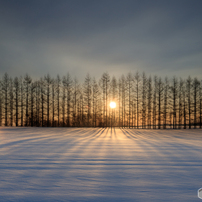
(96,164)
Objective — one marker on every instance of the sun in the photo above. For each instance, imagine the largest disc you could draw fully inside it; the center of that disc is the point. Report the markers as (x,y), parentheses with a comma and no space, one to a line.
(112,104)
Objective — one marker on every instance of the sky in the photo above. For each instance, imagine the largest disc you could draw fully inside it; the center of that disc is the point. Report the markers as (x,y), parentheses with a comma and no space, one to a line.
(159,37)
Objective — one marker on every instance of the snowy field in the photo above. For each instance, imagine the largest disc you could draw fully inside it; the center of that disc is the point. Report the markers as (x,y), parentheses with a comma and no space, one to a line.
(96,164)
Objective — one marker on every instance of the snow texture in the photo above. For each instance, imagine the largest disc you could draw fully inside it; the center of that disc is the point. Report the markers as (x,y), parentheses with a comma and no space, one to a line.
(97,164)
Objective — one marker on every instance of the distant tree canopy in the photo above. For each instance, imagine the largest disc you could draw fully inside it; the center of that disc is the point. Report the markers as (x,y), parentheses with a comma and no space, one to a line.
(141,101)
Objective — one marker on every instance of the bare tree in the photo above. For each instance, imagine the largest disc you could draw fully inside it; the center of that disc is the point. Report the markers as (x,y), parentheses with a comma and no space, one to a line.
(5,89)
(188,89)
(48,83)
(154,101)
(1,103)
(113,90)
(16,92)
(129,81)
(149,102)
(119,85)
(180,94)
(166,88)
(21,102)
(174,99)
(105,79)
(87,97)
(95,97)
(123,93)
(102,86)
(140,101)
(63,101)
(144,90)
(160,89)
(68,85)
(38,103)
(82,107)
(27,82)
(11,100)
(32,92)
(53,102)
(58,82)
(42,86)
(200,105)
(196,85)
(75,90)
(184,105)
(137,83)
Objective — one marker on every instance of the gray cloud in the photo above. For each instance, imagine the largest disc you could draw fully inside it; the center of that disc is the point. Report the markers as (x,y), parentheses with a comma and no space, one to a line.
(40,37)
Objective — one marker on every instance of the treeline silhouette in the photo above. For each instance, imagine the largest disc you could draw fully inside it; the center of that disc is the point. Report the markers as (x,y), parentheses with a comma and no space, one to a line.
(141,101)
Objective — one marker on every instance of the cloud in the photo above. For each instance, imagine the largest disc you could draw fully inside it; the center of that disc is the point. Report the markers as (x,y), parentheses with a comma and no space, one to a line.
(97,36)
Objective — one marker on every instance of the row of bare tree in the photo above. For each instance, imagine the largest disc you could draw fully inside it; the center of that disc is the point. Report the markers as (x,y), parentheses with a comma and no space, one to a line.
(142,102)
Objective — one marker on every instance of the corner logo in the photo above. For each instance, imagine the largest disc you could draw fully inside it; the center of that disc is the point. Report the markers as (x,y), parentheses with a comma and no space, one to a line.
(200,193)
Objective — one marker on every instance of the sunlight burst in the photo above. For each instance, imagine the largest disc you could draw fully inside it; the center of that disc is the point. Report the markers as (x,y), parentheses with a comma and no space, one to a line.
(112,104)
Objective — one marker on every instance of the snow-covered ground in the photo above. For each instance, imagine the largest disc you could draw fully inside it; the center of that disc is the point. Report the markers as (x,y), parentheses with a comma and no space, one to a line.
(96,164)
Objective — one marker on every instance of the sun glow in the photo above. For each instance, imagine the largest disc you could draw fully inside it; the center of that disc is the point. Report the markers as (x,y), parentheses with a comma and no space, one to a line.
(112,104)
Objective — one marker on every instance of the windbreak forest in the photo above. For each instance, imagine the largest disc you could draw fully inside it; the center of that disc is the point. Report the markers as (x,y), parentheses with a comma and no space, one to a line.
(141,101)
